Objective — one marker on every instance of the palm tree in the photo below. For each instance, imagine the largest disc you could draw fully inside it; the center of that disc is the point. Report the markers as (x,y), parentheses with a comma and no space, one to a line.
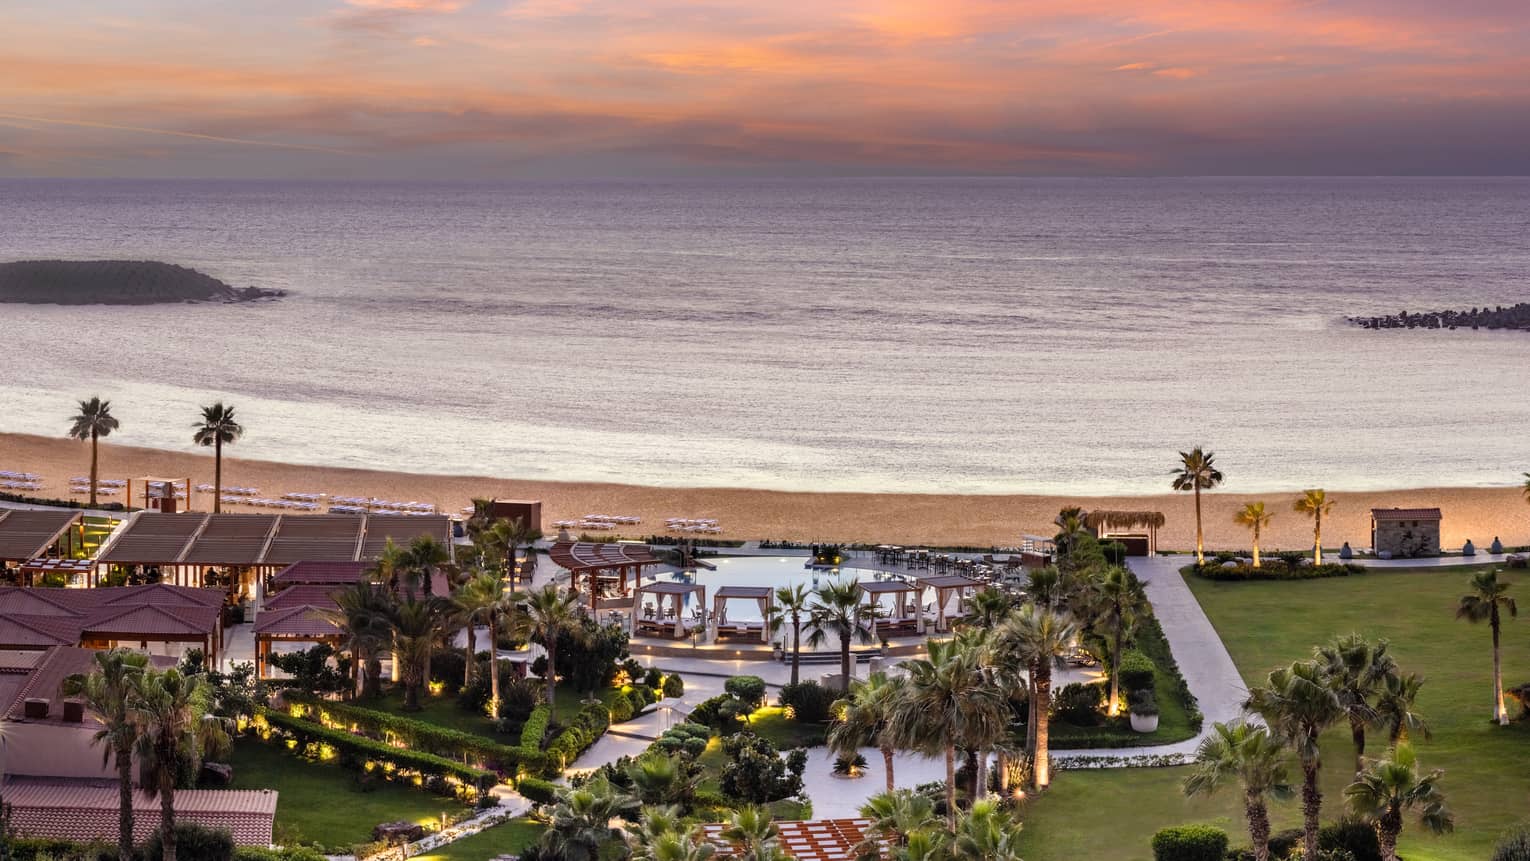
(1070,525)
(421,562)
(838,610)
(950,703)
(792,602)
(1197,472)
(1032,638)
(476,601)
(549,612)
(866,719)
(988,607)
(217,429)
(1253,515)
(1357,670)
(1485,602)
(754,836)
(1044,586)
(415,625)
(660,779)
(363,614)
(1297,704)
(986,833)
(659,836)
(1315,503)
(1391,787)
(1119,600)
(108,692)
(580,822)
(1394,708)
(93,422)
(170,711)
(1257,760)
(894,819)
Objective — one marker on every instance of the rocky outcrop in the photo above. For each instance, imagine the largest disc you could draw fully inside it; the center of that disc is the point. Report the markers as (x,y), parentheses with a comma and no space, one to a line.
(115,282)
(1499,317)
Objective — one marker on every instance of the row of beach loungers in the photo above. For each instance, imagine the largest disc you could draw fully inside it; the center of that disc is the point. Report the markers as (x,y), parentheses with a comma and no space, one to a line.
(13,480)
(599,522)
(685,524)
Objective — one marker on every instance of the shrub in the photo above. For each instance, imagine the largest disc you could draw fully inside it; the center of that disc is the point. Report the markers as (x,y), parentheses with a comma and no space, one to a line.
(355,751)
(517,696)
(1282,843)
(674,686)
(289,853)
(1513,847)
(1294,569)
(537,790)
(644,695)
(1153,643)
(756,773)
(448,668)
(588,725)
(1079,704)
(809,701)
(1143,702)
(851,764)
(721,713)
(194,841)
(653,678)
(621,708)
(1137,671)
(1190,843)
(750,690)
(1354,836)
(534,732)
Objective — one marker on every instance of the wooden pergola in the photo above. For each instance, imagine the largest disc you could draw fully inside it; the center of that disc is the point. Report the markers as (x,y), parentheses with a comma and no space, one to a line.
(618,563)
(296,623)
(904,619)
(673,589)
(946,585)
(1139,528)
(763,595)
(29,534)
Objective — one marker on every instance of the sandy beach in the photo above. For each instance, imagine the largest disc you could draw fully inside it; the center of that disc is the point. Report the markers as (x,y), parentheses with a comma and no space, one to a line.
(1475,513)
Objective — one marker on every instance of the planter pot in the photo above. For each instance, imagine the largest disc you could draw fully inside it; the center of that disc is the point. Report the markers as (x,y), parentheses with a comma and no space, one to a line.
(1144,723)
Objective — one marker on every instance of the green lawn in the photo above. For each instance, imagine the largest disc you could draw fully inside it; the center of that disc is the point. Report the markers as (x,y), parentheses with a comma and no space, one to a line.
(440,710)
(771,723)
(1173,726)
(1265,624)
(506,838)
(321,804)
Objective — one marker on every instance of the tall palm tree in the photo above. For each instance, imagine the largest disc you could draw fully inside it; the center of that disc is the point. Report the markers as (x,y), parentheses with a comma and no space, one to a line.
(988,607)
(174,726)
(1246,753)
(1394,708)
(1253,515)
(1044,586)
(893,820)
(792,605)
(659,836)
(1297,703)
(838,611)
(1357,670)
(217,429)
(1197,472)
(475,602)
(1391,787)
(415,625)
(108,692)
(1119,601)
(1032,638)
(549,612)
(1486,602)
(950,703)
(1315,503)
(753,835)
(866,719)
(422,561)
(1070,525)
(363,613)
(986,833)
(91,423)
(580,822)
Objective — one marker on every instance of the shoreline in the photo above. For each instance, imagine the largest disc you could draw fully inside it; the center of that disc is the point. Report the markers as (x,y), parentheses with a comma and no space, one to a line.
(1476,513)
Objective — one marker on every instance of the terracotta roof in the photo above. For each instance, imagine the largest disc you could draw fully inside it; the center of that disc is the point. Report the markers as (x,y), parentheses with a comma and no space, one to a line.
(19,631)
(26,534)
(813,840)
(45,680)
(298,596)
(85,810)
(1405,513)
(301,620)
(313,572)
(38,618)
(149,620)
(592,555)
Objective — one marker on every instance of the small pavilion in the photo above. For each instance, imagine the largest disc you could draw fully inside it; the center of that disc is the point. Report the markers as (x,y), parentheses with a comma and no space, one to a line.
(293,623)
(1137,530)
(659,625)
(905,617)
(610,563)
(28,535)
(946,585)
(764,595)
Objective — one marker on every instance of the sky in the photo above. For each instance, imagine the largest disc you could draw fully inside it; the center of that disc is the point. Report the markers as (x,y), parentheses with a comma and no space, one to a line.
(503,89)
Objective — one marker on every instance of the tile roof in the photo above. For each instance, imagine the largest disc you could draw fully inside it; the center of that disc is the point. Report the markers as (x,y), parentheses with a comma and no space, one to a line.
(315,572)
(20,631)
(813,840)
(39,618)
(1406,513)
(85,810)
(302,620)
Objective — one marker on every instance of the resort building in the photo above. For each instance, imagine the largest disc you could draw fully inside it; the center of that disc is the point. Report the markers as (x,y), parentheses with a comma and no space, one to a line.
(157,618)
(1405,532)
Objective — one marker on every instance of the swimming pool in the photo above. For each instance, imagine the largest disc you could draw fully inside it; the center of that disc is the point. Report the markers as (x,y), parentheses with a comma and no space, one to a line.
(772,571)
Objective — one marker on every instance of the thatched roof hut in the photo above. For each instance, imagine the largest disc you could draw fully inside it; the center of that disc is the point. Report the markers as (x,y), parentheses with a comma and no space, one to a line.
(1138,530)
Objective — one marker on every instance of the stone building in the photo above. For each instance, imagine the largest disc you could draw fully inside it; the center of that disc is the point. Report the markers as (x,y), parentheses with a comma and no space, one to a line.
(1405,532)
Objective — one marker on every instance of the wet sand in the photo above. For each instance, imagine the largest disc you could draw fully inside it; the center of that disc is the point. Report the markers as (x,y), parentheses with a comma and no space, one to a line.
(1475,513)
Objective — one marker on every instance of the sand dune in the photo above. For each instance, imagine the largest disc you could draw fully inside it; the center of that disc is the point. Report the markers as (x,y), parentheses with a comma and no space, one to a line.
(1476,513)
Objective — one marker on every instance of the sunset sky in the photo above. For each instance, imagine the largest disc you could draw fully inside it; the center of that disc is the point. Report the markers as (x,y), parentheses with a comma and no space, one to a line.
(485,89)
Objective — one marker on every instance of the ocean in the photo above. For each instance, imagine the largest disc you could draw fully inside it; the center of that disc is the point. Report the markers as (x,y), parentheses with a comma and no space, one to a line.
(1060,336)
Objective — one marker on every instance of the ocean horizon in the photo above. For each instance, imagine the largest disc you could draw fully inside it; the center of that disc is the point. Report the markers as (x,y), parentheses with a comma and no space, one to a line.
(977,335)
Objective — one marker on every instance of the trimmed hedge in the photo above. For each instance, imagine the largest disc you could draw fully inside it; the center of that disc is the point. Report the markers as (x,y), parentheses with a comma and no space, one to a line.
(588,725)
(674,686)
(421,736)
(1153,643)
(535,730)
(1273,570)
(1137,671)
(290,853)
(353,751)
(1190,843)
(537,790)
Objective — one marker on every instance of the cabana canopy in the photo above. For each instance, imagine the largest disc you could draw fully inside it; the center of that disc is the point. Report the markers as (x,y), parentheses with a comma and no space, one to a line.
(673,589)
(764,595)
(28,534)
(944,585)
